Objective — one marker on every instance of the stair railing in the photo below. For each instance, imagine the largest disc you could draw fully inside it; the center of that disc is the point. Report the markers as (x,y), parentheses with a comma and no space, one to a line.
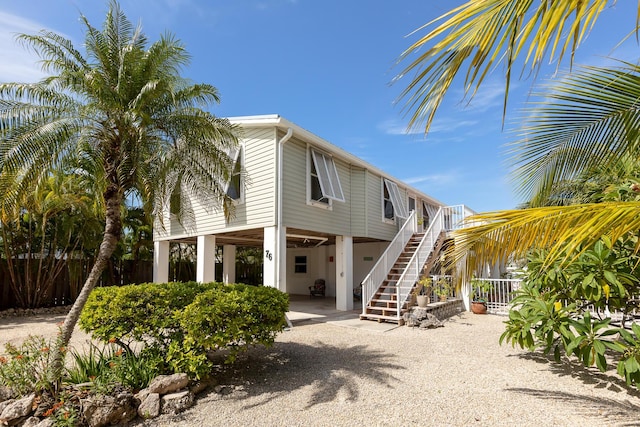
(379,272)
(412,272)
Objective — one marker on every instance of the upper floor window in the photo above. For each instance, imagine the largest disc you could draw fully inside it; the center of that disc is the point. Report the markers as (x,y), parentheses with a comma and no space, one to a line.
(392,201)
(234,186)
(324,180)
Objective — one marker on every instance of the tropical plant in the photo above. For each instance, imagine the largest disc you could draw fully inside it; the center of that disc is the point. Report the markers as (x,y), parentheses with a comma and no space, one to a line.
(589,120)
(474,38)
(51,228)
(124,113)
(480,289)
(563,309)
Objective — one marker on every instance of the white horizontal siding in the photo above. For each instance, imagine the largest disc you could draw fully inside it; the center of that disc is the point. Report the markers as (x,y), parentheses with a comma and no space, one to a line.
(296,212)
(258,206)
(376,227)
(358,202)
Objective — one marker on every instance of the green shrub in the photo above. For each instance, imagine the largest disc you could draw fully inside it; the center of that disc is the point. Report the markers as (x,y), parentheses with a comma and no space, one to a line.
(181,322)
(139,313)
(234,317)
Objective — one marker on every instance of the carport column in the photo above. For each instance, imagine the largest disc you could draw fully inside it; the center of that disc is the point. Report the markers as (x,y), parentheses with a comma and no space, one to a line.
(465,284)
(229,263)
(344,273)
(274,270)
(206,259)
(161,261)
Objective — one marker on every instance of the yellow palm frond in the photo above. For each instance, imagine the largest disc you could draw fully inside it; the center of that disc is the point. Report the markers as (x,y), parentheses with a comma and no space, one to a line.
(507,235)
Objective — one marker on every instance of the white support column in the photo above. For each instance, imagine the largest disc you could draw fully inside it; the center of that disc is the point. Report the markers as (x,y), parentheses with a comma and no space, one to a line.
(229,263)
(344,273)
(274,270)
(161,261)
(206,259)
(465,285)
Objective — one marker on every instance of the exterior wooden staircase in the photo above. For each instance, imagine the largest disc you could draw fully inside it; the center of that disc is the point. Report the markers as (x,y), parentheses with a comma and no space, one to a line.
(387,289)
(383,307)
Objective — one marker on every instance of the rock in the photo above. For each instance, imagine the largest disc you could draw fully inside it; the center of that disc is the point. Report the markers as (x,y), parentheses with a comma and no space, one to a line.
(108,410)
(176,402)
(431,322)
(17,409)
(150,406)
(6,393)
(31,422)
(47,422)
(164,384)
(201,385)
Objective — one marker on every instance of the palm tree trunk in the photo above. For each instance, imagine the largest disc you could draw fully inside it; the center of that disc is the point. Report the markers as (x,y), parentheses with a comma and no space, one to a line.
(112,231)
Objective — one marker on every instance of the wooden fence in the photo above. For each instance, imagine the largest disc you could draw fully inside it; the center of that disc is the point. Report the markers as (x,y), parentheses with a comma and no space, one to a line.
(68,284)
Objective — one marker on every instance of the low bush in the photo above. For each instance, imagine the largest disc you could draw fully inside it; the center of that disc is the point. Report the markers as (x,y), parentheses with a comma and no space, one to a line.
(28,368)
(181,322)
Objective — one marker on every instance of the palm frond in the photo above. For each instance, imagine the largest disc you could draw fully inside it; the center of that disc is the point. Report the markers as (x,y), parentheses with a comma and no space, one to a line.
(590,119)
(498,236)
(479,35)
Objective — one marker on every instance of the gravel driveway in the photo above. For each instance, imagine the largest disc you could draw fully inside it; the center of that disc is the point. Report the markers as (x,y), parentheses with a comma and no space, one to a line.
(325,374)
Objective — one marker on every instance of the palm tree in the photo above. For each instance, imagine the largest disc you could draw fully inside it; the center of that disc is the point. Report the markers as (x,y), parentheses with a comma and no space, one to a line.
(589,120)
(474,38)
(125,114)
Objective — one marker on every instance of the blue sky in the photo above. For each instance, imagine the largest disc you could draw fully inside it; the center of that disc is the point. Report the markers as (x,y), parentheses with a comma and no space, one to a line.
(327,66)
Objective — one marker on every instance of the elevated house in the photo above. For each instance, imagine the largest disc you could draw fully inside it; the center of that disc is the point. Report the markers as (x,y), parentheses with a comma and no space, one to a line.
(317,212)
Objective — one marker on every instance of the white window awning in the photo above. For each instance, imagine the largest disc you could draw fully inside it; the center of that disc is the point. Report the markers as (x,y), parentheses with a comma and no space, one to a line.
(327,176)
(399,208)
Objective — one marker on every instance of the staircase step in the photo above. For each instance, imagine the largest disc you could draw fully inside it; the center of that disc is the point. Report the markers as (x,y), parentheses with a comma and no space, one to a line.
(381,318)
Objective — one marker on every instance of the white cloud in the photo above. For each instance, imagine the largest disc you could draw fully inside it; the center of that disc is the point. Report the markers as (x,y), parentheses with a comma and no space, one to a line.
(438,179)
(18,64)
(439,125)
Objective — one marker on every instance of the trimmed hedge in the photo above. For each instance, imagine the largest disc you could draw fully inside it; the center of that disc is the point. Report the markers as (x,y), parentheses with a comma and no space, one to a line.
(184,321)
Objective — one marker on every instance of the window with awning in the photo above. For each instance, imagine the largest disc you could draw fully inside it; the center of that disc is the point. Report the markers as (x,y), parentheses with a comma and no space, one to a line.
(399,208)
(324,177)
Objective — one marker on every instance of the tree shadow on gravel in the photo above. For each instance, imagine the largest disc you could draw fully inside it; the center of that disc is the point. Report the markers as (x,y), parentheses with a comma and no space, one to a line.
(624,413)
(287,367)
(589,376)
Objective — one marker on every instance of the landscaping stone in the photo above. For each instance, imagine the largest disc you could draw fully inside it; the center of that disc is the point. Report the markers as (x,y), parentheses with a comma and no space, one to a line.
(164,384)
(6,393)
(31,422)
(108,410)
(150,406)
(176,402)
(199,386)
(47,422)
(17,410)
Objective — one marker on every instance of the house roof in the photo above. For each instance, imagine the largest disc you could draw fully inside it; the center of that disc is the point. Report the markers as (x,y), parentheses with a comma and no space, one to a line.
(278,121)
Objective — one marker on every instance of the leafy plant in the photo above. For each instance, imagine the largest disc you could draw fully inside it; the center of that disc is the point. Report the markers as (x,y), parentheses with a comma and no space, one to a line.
(27,368)
(554,308)
(424,286)
(177,324)
(480,289)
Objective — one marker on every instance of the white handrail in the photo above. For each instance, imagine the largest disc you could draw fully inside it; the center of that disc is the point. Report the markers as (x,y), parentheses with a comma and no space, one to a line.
(410,275)
(379,272)
(446,219)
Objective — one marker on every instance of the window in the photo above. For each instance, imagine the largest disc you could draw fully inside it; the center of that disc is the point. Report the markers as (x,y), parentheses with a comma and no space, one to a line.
(316,190)
(300,264)
(392,200)
(412,204)
(325,183)
(234,185)
(387,205)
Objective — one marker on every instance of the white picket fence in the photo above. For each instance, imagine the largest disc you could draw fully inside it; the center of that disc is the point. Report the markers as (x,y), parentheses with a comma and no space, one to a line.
(500,296)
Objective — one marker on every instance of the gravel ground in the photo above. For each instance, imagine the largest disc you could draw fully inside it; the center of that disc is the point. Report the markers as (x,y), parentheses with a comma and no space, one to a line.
(322,374)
